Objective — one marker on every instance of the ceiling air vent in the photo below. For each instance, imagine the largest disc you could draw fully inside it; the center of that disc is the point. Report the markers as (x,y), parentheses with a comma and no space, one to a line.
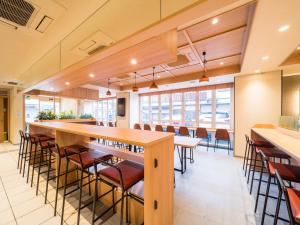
(98,49)
(181,60)
(12,83)
(16,11)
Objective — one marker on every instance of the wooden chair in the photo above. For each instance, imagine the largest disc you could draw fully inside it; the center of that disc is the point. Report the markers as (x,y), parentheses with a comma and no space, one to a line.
(101,124)
(147,127)
(137,126)
(110,124)
(184,131)
(201,133)
(222,135)
(159,128)
(171,129)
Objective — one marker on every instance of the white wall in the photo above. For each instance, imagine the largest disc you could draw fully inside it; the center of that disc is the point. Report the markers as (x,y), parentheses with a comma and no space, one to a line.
(257,100)
(134,109)
(15,115)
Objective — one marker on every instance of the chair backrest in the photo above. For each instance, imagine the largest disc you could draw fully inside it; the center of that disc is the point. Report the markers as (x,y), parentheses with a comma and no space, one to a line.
(158,128)
(137,126)
(171,129)
(101,123)
(110,124)
(201,132)
(222,134)
(147,127)
(184,131)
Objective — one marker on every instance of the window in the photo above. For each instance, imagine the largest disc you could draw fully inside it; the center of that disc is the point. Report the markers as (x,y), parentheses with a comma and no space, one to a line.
(107,110)
(31,109)
(145,109)
(206,113)
(90,107)
(189,108)
(165,109)
(47,104)
(154,109)
(176,108)
(223,108)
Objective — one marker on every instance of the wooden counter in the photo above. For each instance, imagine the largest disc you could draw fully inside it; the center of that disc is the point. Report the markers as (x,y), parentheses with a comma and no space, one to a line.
(285,140)
(158,182)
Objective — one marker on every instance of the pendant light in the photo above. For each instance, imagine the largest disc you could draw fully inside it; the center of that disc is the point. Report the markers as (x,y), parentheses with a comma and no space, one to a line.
(108,93)
(153,86)
(204,78)
(135,88)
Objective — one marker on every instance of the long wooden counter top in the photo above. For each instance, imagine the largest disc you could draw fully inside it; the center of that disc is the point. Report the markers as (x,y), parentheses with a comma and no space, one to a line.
(126,135)
(281,140)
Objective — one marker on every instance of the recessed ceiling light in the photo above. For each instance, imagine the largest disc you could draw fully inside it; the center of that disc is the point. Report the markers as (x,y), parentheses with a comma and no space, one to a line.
(284,28)
(133,61)
(51,88)
(215,21)
(158,76)
(221,63)
(67,83)
(298,48)
(92,75)
(265,57)
(257,71)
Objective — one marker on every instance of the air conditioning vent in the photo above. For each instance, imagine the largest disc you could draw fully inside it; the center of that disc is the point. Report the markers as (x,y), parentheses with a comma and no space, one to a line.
(98,49)
(16,11)
(3,93)
(12,83)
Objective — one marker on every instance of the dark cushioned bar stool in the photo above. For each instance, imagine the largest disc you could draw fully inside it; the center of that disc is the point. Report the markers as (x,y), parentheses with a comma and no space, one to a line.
(123,175)
(82,161)
(292,200)
(270,152)
(59,153)
(288,173)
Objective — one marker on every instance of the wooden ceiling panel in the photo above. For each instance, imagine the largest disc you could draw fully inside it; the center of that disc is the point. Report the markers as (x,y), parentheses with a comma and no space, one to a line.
(227,21)
(181,40)
(187,69)
(228,61)
(224,45)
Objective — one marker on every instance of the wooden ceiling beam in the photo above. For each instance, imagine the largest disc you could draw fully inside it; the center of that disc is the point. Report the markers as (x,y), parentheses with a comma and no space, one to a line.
(189,76)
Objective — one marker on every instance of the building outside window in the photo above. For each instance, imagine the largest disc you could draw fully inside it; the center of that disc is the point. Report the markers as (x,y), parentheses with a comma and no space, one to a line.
(165,107)
(145,109)
(176,108)
(206,109)
(189,108)
(107,110)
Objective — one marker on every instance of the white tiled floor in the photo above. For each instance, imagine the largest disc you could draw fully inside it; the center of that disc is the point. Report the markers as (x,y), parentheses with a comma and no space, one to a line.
(212,191)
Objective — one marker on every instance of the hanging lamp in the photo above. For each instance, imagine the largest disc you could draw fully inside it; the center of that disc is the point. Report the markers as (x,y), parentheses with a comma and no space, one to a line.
(108,93)
(204,78)
(153,86)
(135,88)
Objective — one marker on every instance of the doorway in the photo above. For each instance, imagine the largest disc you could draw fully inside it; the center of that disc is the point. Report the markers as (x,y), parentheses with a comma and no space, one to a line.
(4,118)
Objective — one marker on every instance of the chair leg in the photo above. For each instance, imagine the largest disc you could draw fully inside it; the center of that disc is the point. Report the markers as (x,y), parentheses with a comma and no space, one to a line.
(253,173)
(122,208)
(57,185)
(28,166)
(39,172)
(25,158)
(34,160)
(80,196)
(207,144)
(266,201)
(95,199)
(48,174)
(258,189)
(247,161)
(64,195)
(20,151)
(89,180)
(250,165)
(245,155)
(127,210)
(278,206)
(228,146)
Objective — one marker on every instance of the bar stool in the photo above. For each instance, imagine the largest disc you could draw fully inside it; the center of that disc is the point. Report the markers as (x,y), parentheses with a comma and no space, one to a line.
(23,144)
(268,152)
(246,155)
(82,161)
(60,154)
(147,127)
(287,172)
(201,133)
(292,200)
(222,135)
(159,128)
(122,175)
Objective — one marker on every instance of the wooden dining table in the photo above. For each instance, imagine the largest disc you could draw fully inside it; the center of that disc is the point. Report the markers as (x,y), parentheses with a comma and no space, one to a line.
(185,143)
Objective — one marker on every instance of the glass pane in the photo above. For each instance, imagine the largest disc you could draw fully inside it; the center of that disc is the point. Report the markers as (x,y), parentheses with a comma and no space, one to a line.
(105,118)
(57,106)
(145,109)
(223,106)
(90,107)
(165,109)
(31,109)
(100,111)
(190,108)
(176,108)
(110,111)
(47,105)
(205,118)
(154,109)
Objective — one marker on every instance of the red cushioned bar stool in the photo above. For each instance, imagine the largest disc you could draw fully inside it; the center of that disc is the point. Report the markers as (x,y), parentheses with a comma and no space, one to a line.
(23,145)
(270,152)
(82,161)
(123,175)
(292,200)
(59,154)
(288,173)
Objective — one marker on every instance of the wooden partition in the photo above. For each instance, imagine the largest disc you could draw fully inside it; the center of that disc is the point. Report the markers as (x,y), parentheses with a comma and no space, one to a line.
(158,160)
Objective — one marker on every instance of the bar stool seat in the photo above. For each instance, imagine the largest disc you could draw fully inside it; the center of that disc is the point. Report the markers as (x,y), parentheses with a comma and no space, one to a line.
(287,172)
(86,159)
(294,198)
(71,149)
(260,143)
(273,152)
(131,173)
